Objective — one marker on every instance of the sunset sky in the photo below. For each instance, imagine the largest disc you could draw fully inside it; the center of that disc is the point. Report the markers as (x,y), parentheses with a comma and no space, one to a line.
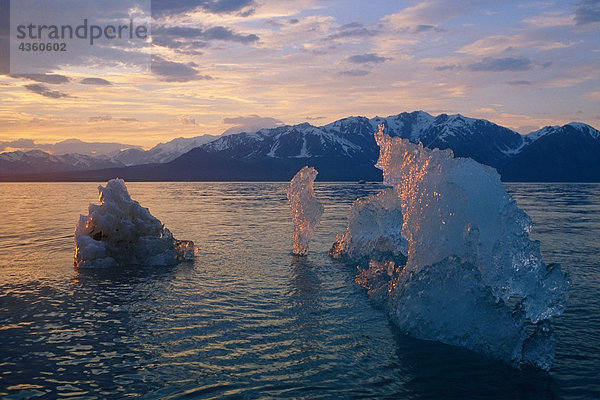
(219,64)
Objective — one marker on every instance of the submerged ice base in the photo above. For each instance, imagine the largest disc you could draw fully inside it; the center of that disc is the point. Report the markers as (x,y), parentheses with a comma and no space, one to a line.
(120,232)
(306,208)
(472,277)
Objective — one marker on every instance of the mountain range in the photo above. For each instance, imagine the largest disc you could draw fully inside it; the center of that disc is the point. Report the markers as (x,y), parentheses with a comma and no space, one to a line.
(342,150)
(85,156)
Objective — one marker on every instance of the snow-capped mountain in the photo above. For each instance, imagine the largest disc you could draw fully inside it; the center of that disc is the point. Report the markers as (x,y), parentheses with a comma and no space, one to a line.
(68,146)
(565,153)
(162,152)
(352,137)
(557,153)
(37,161)
(342,150)
(298,141)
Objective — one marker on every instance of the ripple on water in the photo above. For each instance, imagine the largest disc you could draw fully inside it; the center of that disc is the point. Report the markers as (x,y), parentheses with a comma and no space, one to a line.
(246,319)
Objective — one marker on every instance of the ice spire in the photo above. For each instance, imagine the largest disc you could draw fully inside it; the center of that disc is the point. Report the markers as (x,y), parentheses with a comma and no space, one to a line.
(306,208)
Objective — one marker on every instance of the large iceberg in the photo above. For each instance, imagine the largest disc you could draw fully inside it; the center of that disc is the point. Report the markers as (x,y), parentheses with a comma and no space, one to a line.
(472,277)
(306,208)
(120,232)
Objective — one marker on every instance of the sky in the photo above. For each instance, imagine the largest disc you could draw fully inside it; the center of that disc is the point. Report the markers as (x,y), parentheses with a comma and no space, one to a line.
(222,65)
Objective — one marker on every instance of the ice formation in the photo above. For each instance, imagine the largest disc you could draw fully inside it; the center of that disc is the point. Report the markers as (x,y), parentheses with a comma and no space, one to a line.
(120,232)
(373,230)
(472,276)
(306,208)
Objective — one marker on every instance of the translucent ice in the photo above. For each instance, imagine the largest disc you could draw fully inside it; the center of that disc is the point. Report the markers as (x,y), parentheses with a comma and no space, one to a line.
(306,208)
(120,232)
(472,276)
(374,225)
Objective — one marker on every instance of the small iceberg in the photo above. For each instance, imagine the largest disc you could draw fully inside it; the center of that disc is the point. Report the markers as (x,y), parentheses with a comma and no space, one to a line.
(373,230)
(447,253)
(120,232)
(306,208)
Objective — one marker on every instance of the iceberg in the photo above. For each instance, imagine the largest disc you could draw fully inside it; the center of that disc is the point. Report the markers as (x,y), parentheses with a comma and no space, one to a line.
(120,232)
(306,208)
(471,276)
(373,230)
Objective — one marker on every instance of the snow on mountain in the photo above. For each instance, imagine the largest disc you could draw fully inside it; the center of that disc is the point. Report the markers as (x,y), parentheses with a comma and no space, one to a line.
(586,129)
(569,153)
(68,146)
(353,137)
(96,156)
(180,145)
(343,149)
(37,161)
(299,141)
(531,137)
(162,152)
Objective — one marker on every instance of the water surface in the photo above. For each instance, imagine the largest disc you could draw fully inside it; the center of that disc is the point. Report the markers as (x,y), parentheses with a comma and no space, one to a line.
(247,319)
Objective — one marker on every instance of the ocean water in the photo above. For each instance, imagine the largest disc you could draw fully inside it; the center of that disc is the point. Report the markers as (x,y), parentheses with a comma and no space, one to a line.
(246,318)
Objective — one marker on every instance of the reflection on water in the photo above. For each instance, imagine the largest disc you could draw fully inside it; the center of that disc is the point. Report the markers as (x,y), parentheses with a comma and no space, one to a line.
(246,318)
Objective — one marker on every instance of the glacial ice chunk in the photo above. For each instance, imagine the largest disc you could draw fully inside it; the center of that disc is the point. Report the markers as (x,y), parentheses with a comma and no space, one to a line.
(374,230)
(458,207)
(306,208)
(120,232)
(472,276)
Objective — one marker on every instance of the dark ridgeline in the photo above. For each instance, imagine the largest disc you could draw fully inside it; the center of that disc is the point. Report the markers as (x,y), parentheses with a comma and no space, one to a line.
(342,151)
(569,153)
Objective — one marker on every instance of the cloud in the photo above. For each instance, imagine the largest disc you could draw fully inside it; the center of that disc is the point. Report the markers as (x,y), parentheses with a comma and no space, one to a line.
(95,81)
(186,120)
(502,64)
(253,119)
(17,144)
(525,129)
(100,118)
(44,91)
(593,95)
(428,15)
(46,78)
(353,29)
(587,12)
(425,28)
(189,47)
(251,123)
(503,44)
(355,72)
(518,83)
(280,24)
(274,24)
(165,34)
(172,7)
(170,71)
(188,40)
(127,119)
(4,37)
(226,34)
(446,67)
(366,58)
(314,118)
(552,19)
